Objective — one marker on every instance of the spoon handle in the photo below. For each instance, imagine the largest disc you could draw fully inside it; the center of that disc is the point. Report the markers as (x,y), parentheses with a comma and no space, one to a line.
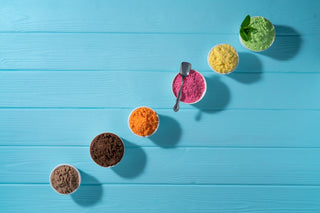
(176,106)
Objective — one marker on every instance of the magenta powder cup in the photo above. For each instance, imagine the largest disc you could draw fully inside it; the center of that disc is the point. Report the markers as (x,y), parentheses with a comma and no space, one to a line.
(193,89)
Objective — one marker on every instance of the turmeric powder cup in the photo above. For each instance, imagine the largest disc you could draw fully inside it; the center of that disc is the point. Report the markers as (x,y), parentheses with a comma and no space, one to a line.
(143,121)
(223,59)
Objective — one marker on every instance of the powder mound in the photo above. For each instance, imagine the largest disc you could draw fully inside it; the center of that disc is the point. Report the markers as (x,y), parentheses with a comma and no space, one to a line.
(143,121)
(106,149)
(193,87)
(65,179)
(223,58)
(262,36)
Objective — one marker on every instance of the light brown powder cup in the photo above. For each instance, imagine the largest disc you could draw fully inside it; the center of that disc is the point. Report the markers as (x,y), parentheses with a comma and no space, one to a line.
(65,179)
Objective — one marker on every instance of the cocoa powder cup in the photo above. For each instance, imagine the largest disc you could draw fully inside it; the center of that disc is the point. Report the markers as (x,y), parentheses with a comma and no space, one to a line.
(107,149)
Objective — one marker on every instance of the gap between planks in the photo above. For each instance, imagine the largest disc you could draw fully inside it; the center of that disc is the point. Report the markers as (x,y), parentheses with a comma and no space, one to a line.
(155,147)
(175,184)
(137,33)
(162,71)
(155,108)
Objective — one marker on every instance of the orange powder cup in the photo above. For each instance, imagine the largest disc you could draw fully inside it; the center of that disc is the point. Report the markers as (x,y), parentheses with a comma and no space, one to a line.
(143,121)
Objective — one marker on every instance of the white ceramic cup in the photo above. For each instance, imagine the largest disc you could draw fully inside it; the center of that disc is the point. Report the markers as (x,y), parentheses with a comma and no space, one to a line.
(153,131)
(65,164)
(268,46)
(203,94)
(217,71)
(121,157)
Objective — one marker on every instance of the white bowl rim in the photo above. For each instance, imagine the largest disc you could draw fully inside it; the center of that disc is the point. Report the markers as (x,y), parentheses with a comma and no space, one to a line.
(121,142)
(274,37)
(214,69)
(65,164)
(203,94)
(150,109)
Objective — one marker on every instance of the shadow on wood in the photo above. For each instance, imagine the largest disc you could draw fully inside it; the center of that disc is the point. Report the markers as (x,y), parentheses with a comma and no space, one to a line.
(216,98)
(168,134)
(249,64)
(286,45)
(133,161)
(90,191)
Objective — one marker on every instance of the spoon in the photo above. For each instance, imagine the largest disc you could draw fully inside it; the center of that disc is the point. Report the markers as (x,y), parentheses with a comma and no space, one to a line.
(184,72)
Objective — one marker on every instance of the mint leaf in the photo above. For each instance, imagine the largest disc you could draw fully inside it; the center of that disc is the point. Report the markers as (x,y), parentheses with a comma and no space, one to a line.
(244,35)
(245,29)
(246,21)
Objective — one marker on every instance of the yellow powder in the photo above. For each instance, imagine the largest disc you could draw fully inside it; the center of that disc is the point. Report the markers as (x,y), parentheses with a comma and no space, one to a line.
(223,58)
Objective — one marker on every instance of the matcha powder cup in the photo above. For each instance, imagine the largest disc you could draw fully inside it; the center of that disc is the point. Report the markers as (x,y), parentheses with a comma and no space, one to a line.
(257,33)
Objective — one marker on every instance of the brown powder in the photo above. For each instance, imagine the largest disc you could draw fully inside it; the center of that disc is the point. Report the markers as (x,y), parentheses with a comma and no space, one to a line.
(65,179)
(106,149)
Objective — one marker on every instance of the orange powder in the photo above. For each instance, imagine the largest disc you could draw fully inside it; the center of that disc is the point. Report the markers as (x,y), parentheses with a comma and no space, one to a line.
(143,121)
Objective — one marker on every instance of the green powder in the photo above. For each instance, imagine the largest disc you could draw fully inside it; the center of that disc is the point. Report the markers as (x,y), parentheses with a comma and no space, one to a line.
(263,35)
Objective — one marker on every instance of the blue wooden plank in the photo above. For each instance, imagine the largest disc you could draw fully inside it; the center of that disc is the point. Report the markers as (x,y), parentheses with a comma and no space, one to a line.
(161,198)
(188,128)
(149,52)
(193,16)
(111,56)
(288,166)
(132,89)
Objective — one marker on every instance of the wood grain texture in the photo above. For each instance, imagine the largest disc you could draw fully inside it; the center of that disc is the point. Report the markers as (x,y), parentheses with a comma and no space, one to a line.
(160,198)
(193,16)
(132,89)
(70,70)
(148,52)
(189,128)
(288,166)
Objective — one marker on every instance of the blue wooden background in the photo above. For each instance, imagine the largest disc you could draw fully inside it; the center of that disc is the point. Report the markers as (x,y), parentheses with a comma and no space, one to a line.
(70,70)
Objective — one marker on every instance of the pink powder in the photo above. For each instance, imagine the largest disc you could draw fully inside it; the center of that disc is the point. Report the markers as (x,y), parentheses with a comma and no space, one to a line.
(192,89)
